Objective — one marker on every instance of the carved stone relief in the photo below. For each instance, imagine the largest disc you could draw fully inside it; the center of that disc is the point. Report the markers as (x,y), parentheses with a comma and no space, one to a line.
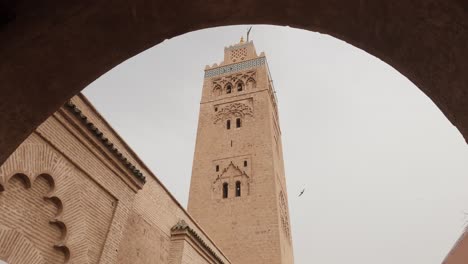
(34,204)
(284,214)
(35,207)
(231,174)
(246,79)
(238,54)
(232,111)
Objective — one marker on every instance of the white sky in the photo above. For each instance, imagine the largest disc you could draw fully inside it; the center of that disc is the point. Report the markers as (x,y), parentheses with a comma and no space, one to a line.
(385,172)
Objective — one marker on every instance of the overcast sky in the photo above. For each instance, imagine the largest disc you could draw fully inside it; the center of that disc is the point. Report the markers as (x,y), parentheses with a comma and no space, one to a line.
(385,172)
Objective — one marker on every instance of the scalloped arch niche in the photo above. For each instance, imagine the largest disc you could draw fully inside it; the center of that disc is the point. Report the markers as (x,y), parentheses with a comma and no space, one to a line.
(38,203)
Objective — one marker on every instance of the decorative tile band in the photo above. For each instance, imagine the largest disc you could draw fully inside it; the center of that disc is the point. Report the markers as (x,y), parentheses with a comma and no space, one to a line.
(109,145)
(235,67)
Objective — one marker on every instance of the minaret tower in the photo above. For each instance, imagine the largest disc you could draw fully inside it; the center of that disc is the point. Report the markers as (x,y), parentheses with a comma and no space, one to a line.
(238,189)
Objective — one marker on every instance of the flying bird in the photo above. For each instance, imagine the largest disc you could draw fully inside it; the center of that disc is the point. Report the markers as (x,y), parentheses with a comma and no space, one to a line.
(301,192)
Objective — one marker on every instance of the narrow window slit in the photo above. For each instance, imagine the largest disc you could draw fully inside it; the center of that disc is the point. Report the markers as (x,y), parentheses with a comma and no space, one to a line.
(225,190)
(238,188)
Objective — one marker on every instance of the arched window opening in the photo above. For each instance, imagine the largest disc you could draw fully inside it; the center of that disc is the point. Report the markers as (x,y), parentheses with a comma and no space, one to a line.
(225,190)
(238,122)
(228,124)
(228,89)
(217,167)
(238,188)
(239,87)
(245,163)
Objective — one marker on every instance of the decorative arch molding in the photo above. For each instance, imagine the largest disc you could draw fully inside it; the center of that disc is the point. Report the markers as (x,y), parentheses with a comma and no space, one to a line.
(56,220)
(233,110)
(250,83)
(247,79)
(217,90)
(232,170)
(228,88)
(230,175)
(34,161)
(239,82)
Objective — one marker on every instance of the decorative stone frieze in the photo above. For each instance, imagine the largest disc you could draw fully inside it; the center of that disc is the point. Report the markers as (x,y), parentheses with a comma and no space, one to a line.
(233,110)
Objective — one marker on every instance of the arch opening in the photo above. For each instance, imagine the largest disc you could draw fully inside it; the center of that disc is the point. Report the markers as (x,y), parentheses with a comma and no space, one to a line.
(372,30)
(349,110)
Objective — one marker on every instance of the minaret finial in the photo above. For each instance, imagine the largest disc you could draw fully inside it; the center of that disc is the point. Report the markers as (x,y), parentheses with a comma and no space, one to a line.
(248,32)
(242,39)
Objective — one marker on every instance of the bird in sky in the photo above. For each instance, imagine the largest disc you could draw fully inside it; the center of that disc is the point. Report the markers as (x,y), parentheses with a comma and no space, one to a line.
(302,192)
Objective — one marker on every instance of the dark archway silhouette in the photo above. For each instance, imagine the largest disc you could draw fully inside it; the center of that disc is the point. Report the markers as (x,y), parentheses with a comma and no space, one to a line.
(50,50)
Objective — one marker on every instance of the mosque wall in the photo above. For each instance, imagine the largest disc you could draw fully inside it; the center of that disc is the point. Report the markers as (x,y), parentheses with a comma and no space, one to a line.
(74,192)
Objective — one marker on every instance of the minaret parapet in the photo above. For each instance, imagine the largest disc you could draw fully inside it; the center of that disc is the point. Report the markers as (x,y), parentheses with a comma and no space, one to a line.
(237,57)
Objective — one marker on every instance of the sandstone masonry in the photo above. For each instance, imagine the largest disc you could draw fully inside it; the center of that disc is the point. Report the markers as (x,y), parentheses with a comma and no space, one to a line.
(238,189)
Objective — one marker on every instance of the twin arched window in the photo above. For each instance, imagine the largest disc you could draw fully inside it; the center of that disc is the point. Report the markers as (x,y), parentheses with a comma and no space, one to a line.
(238,123)
(250,84)
(226,189)
(240,88)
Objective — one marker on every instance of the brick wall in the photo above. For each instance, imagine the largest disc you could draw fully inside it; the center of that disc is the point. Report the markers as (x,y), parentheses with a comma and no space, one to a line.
(68,195)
